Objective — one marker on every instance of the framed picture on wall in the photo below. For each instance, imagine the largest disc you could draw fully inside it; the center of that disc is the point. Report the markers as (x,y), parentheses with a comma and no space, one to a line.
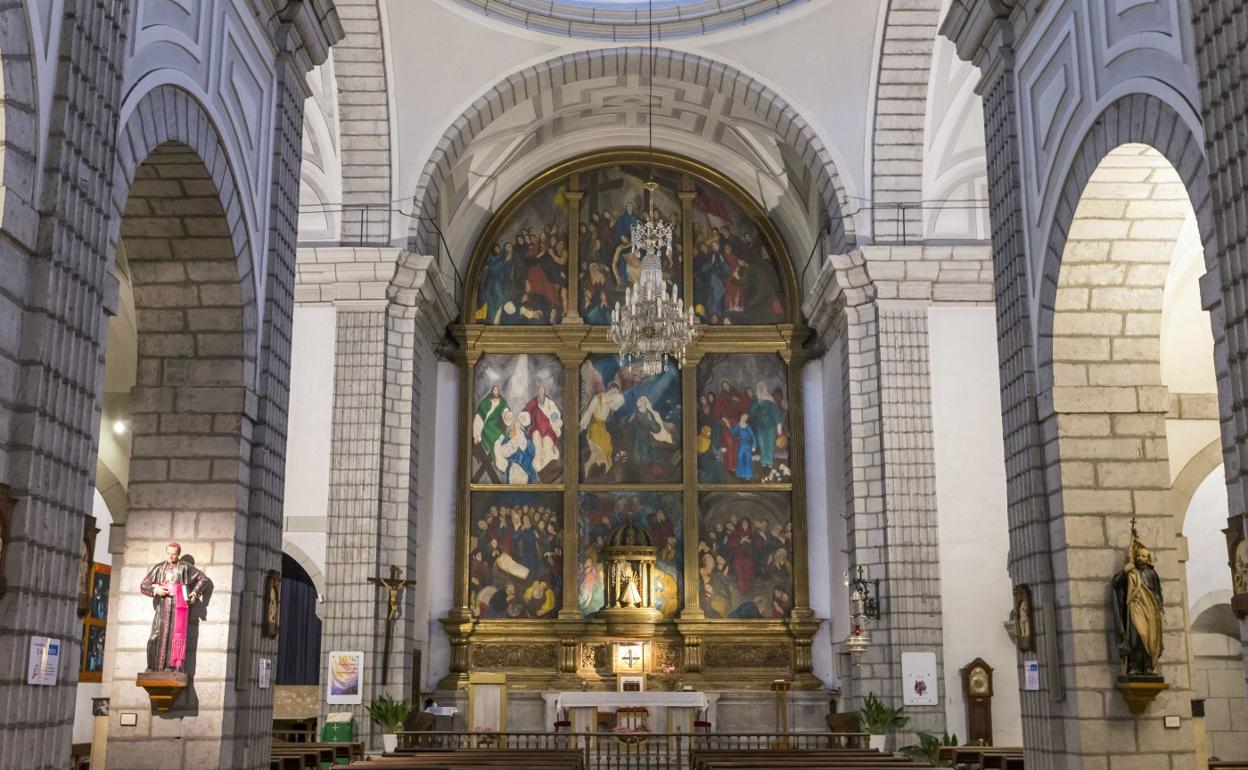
(1024,621)
(95,623)
(343,685)
(272,603)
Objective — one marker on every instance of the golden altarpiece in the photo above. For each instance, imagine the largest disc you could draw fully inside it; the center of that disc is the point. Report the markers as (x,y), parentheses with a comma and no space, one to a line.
(597,505)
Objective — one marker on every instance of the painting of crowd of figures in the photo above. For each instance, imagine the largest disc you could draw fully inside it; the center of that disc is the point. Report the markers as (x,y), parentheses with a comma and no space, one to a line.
(629,428)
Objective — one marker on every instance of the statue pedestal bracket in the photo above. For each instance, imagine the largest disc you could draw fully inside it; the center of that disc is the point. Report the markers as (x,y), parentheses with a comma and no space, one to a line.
(1139,691)
(163,687)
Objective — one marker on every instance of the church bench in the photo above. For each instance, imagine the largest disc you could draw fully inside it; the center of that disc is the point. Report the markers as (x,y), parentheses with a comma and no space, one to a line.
(285,763)
(998,760)
(464,759)
(974,755)
(1228,764)
(311,759)
(339,753)
(840,759)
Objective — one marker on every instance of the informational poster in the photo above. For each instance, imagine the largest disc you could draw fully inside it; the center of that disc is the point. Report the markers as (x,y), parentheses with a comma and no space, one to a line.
(266,672)
(343,685)
(918,673)
(44,662)
(1031,675)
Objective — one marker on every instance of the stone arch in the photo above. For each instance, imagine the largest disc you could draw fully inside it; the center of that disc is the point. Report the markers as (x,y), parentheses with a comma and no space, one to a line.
(1198,468)
(763,106)
(176,210)
(1134,119)
(1101,400)
(308,563)
(907,43)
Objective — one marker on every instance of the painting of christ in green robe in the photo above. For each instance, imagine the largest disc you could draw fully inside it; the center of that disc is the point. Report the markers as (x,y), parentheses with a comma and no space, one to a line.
(517,423)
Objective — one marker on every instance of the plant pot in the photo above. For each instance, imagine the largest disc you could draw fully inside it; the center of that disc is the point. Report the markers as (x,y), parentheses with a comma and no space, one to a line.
(389,742)
(878,742)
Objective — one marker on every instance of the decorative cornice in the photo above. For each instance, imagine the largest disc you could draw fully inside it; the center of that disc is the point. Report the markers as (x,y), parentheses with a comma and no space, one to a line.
(304,28)
(421,290)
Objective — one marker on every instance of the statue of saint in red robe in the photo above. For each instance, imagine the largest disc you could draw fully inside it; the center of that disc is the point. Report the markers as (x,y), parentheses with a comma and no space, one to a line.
(174,586)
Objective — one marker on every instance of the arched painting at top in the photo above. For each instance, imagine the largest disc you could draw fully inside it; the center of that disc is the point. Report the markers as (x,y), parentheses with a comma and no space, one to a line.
(735,277)
(614,201)
(524,276)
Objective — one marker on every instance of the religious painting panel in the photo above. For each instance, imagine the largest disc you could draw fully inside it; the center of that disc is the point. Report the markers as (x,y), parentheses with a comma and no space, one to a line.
(745,552)
(743,413)
(524,274)
(614,201)
(735,276)
(515,554)
(629,423)
(660,514)
(517,423)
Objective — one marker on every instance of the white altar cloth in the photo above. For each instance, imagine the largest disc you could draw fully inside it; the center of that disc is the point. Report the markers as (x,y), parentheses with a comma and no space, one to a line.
(609,701)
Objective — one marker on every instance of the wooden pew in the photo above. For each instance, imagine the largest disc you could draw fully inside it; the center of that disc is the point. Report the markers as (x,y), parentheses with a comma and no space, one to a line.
(471,759)
(285,763)
(334,753)
(835,759)
(308,759)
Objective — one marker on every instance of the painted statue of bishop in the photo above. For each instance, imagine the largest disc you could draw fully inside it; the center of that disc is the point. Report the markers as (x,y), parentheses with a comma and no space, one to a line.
(174,586)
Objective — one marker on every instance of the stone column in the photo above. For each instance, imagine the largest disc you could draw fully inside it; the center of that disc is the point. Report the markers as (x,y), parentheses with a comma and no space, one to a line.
(375,464)
(54,287)
(1221,36)
(350,613)
(890,469)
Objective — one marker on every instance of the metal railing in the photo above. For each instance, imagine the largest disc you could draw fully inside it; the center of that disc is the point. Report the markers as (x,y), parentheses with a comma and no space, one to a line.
(629,751)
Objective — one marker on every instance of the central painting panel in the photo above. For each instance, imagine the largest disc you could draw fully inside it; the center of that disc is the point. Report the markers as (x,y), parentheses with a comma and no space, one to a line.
(630,423)
(659,514)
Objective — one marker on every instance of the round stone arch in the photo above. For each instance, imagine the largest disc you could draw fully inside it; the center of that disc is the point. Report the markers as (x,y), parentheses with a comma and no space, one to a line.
(176,213)
(767,109)
(1102,407)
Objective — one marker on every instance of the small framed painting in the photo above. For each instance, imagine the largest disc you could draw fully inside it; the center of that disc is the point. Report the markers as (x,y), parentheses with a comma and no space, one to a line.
(1024,621)
(272,603)
(344,684)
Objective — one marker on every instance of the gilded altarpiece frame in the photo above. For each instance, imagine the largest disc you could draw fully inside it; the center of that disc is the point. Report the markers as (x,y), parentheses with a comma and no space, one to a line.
(574,420)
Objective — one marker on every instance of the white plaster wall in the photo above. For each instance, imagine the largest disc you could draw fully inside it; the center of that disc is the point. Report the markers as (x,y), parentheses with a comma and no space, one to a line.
(831,465)
(828,84)
(1186,335)
(971,509)
(818,513)
(440,562)
(1207,570)
(306,493)
(83,721)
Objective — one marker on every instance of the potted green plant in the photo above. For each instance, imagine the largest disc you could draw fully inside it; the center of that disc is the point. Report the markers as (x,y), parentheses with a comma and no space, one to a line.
(881,720)
(928,747)
(389,714)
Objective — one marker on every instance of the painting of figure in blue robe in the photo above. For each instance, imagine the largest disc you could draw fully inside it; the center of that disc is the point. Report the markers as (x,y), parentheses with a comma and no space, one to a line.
(517,419)
(660,515)
(743,419)
(629,423)
(614,201)
(524,277)
(515,554)
(735,276)
(745,555)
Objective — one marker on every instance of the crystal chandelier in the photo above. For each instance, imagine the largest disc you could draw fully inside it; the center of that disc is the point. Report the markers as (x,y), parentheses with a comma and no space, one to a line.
(652,324)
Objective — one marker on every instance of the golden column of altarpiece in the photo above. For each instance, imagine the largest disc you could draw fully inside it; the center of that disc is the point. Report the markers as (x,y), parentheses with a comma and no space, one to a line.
(561,444)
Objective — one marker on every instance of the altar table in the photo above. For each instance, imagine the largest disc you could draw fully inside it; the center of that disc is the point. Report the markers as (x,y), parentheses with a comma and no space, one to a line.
(670,712)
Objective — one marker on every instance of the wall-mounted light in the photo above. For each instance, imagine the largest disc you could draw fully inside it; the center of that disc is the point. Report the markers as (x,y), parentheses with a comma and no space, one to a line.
(120,427)
(864,605)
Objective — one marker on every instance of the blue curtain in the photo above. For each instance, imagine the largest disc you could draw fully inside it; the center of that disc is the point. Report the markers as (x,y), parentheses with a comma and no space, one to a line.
(299,629)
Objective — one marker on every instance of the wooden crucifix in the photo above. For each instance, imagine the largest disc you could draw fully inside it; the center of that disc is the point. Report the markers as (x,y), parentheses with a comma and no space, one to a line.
(394,585)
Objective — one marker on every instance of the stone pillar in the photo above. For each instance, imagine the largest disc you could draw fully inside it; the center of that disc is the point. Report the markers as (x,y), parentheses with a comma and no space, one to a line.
(1221,37)
(55,289)
(375,462)
(890,469)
